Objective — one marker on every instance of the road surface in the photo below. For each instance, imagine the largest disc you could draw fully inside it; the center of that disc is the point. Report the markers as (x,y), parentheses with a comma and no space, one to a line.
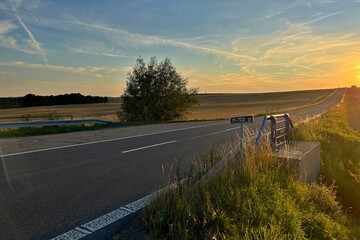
(51,184)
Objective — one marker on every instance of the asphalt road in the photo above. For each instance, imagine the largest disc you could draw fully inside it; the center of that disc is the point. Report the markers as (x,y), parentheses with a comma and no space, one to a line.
(50,184)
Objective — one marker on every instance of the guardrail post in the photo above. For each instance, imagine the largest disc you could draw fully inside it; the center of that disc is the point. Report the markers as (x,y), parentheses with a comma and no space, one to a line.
(287,128)
(273,132)
(261,129)
(241,144)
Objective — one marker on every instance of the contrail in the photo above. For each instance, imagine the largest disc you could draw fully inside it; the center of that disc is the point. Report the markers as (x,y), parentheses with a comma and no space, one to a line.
(34,43)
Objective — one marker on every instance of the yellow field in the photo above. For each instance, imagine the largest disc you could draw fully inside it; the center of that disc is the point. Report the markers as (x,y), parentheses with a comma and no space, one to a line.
(353,97)
(212,106)
(220,106)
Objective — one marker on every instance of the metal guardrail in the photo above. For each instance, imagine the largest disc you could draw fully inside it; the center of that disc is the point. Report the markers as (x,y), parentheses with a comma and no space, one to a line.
(51,123)
(280,130)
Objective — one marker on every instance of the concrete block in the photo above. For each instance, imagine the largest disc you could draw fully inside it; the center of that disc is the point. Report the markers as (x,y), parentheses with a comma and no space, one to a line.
(303,158)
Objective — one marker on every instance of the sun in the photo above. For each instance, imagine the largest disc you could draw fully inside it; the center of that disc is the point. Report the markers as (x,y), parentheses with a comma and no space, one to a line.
(358,76)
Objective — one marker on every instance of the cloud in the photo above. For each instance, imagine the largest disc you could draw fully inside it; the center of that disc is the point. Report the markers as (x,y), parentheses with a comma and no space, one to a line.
(153,40)
(79,70)
(35,44)
(95,49)
(5,28)
(321,18)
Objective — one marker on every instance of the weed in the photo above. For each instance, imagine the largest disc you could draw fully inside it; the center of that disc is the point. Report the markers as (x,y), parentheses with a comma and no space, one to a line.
(257,201)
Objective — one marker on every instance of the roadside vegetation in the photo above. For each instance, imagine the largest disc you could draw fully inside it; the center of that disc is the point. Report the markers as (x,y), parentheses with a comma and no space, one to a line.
(34,131)
(340,149)
(260,200)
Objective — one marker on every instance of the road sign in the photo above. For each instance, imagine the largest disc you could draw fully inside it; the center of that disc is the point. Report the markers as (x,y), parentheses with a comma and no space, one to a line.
(242,119)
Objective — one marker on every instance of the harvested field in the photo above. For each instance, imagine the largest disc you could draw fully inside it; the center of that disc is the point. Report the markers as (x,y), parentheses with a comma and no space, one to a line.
(212,106)
(220,106)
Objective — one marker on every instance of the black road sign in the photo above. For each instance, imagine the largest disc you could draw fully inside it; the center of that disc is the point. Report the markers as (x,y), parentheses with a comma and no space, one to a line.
(242,119)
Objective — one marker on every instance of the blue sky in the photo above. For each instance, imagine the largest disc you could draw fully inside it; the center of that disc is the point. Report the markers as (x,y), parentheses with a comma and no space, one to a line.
(54,47)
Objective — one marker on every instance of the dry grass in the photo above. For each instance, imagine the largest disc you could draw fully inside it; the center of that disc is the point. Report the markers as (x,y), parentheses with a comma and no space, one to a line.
(212,106)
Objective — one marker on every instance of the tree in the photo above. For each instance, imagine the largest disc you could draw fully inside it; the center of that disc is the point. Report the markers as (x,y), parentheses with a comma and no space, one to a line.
(156,92)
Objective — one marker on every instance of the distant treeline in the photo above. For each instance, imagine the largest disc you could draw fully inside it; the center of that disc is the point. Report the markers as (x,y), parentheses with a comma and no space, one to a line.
(32,100)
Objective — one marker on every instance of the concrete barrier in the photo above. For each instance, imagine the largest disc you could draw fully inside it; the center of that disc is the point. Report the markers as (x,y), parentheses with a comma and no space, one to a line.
(303,158)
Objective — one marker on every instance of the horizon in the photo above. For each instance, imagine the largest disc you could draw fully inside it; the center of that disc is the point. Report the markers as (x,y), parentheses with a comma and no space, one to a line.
(52,48)
(200,93)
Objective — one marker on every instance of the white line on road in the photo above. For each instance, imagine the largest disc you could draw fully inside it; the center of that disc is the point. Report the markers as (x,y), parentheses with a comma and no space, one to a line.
(82,230)
(109,140)
(150,146)
(111,217)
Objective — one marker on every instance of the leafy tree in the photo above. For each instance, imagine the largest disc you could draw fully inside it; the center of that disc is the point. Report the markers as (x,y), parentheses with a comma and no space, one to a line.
(156,92)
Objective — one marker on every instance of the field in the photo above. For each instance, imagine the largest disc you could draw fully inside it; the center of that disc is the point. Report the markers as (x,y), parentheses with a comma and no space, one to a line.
(212,106)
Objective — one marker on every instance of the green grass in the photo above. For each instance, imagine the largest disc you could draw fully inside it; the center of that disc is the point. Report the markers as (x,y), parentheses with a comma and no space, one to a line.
(261,200)
(35,131)
(340,152)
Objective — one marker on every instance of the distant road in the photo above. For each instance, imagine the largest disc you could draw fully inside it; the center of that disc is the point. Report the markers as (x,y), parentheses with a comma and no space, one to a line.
(51,184)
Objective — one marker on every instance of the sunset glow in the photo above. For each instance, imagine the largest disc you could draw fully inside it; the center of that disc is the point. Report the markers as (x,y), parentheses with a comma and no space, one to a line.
(53,47)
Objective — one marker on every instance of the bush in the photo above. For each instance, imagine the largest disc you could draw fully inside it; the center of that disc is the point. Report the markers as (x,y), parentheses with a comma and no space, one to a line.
(156,92)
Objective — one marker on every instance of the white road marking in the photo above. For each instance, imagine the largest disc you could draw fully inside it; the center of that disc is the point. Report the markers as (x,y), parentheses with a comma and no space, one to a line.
(111,217)
(109,140)
(70,235)
(150,146)
(82,230)
(126,209)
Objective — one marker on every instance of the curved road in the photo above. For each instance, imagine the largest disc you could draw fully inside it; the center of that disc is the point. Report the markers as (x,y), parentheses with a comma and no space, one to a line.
(51,184)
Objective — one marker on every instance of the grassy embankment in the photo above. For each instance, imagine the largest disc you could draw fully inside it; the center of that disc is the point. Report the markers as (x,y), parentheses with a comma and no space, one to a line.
(340,148)
(262,201)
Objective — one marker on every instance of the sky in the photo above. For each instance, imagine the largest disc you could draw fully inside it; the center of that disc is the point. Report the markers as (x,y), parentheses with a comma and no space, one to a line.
(228,46)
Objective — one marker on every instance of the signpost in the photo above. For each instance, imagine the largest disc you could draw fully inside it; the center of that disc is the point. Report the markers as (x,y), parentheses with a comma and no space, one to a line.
(242,120)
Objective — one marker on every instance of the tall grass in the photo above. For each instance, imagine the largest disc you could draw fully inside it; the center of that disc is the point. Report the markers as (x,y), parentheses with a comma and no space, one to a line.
(258,200)
(340,153)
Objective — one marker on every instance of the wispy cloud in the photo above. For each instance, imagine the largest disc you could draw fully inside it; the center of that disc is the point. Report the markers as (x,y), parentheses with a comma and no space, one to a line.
(80,70)
(36,45)
(153,40)
(7,73)
(321,18)
(5,28)
(8,41)
(95,49)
